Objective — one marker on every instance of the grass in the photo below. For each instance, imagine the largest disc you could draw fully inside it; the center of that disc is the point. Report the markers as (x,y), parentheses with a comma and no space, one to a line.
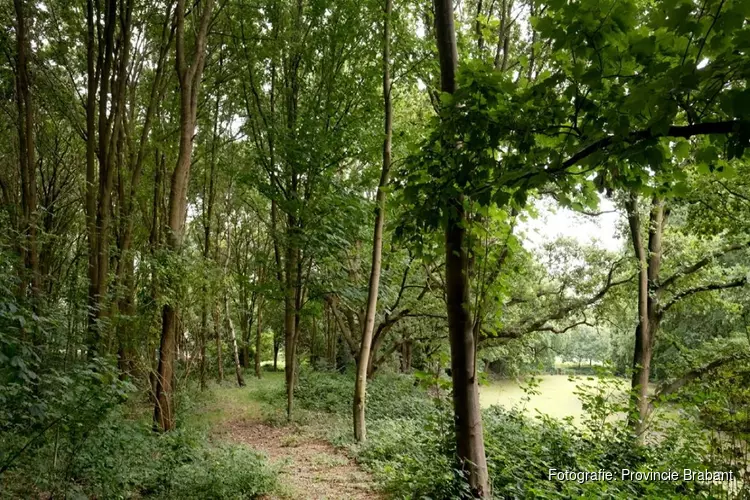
(230,402)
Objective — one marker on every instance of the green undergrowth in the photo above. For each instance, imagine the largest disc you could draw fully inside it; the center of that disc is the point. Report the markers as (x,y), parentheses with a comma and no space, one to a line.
(111,451)
(410,446)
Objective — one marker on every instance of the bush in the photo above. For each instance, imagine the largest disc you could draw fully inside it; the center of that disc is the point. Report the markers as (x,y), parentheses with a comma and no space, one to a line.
(411,452)
(99,452)
(122,458)
(224,472)
(414,459)
(389,395)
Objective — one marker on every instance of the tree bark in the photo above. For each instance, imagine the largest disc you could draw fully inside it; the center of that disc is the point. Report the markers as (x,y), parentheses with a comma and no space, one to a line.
(468,416)
(649,260)
(276,347)
(27,153)
(233,334)
(219,347)
(230,323)
(189,76)
(360,388)
(258,338)
(290,316)
(92,337)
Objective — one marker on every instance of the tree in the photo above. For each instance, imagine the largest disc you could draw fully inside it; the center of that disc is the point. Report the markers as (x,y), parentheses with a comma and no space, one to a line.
(189,74)
(29,247)
(360,389)
(469,435)
(654,299)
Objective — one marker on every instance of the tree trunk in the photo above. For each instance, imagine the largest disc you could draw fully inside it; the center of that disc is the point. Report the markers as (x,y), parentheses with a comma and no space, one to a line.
(648,302)
(230,324)
(27,156)
(258,337)
(290,318)
(276,347)
(503,40)
(202,337)
(468,416)
(92,337)
(219,347)
(406,356)
(313,342)
(163,411)
(189,76)
(232,333)
(360,388)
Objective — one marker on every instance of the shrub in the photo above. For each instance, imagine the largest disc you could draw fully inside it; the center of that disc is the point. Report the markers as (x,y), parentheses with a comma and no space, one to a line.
(113,456)
(389,395)
(411,452)
(226,472)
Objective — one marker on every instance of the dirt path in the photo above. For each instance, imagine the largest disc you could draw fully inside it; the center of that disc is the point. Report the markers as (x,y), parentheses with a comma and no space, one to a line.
(309,467)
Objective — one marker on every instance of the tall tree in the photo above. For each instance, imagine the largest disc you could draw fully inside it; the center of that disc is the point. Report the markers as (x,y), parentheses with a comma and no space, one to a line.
(108,48)
(227,313)
(660,289)
(26,150)
(189,73)
(467,412)
(360,388)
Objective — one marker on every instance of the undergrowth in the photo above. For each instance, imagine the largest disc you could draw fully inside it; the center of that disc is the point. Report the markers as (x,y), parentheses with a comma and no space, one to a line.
(410,448)
(110,451)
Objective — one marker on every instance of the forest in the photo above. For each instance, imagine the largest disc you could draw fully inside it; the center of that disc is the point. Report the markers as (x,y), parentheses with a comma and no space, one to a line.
(372,249)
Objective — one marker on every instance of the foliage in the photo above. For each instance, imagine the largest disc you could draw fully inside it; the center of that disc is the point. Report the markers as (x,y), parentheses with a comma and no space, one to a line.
(557,103)
(414,458)
(389,395)
(121,457)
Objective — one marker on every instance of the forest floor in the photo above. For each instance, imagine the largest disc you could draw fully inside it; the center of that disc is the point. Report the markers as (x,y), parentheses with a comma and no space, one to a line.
(309,466)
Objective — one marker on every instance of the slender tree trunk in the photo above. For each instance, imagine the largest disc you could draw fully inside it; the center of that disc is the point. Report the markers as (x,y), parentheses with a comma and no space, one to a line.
(246,321)
(92,75)
(503,40)
(111,98)
(219,347)
(290,318)
(313,342)
(258,338)
(360,388)
(468,416)
(276,347)
(202,339)
(233,334)
(27,156)
(189,76)
(648,302)
(230,323)
(406,353)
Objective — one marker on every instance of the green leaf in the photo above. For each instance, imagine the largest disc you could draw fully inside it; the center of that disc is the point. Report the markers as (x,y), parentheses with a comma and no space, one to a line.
(681,150)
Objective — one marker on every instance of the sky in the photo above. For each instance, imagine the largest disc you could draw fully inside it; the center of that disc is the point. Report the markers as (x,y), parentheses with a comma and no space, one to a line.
(554,222)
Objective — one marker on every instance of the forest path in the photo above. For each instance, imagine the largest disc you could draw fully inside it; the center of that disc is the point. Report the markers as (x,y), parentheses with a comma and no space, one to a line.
(309,467)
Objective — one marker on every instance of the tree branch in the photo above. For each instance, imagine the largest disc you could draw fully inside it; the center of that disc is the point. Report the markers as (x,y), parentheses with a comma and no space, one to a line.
(537,324)
(565,329)
(684,131)
(666,389)
(701,263)
(703,288)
